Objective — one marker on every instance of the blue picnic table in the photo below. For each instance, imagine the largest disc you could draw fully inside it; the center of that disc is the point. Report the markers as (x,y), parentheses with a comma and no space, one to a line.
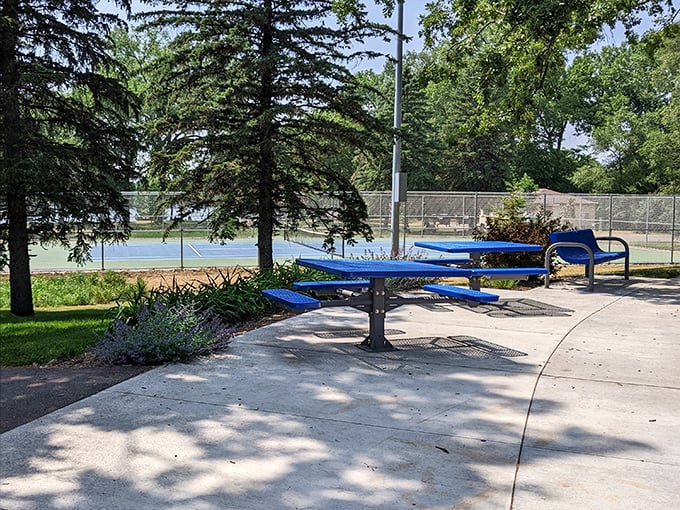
(475,249)
(377,301)
(362,286)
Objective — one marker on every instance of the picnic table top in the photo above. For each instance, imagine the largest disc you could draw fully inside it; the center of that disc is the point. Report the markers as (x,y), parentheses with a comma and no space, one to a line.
(477,246)
(352,268)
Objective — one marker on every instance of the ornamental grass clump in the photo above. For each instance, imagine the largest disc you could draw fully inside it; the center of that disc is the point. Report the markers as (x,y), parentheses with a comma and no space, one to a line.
(164,334)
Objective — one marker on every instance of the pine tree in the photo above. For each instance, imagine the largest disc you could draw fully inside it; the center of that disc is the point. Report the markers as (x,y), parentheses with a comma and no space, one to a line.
(66,147)
(260,105)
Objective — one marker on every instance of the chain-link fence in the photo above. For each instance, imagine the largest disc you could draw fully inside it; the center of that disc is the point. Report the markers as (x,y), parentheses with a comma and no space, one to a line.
(650,223)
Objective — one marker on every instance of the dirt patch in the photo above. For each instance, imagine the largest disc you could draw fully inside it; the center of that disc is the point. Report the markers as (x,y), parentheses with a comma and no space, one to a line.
(166,278)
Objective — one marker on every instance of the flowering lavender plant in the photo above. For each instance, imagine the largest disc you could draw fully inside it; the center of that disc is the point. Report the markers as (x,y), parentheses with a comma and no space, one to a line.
(164,333)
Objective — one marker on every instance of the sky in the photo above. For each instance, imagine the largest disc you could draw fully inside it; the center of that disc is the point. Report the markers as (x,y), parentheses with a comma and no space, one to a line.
(413,9)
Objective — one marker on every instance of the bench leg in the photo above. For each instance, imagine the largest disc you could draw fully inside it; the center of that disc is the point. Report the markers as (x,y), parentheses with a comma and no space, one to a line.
(376,341)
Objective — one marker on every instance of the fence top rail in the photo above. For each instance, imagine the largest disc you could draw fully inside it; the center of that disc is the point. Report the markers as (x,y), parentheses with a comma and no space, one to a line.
(453,193)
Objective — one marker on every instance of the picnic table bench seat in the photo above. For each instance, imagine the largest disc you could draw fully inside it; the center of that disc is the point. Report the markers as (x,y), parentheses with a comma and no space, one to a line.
(447,261)
(461,293)
(292,300)
(500,273)
(332,285)
(581,247)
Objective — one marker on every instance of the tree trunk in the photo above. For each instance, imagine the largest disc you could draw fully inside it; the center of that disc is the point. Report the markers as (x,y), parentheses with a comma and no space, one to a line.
(265,246)
(265,224)
(21,296)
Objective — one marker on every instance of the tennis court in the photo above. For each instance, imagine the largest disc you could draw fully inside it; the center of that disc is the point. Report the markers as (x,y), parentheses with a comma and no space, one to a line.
(153,253)
(197,253)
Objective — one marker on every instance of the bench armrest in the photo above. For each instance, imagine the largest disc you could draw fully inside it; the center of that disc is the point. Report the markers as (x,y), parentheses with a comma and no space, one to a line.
(568,244)
(617,239)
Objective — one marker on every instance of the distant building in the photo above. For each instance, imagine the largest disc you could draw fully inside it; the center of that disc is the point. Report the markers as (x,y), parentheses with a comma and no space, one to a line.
(576,209)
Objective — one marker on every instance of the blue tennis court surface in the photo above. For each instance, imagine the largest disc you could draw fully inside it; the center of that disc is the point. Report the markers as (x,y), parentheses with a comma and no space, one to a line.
(238,249)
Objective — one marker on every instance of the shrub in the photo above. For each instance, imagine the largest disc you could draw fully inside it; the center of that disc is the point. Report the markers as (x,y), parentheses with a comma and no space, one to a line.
(162,334)
(525,230)
(401,284)
(511,223)
(235,295)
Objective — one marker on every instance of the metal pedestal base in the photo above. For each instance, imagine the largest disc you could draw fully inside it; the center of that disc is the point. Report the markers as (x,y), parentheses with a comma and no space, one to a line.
(368,346)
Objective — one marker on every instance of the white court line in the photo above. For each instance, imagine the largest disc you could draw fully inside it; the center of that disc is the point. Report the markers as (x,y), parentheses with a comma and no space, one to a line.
(195,250)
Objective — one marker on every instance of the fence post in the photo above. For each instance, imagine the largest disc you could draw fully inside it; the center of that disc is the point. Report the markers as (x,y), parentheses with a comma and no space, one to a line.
(611,219)
(476,217)
(673,229)
(181,245)
(647,222)
(545,206)
(380,220)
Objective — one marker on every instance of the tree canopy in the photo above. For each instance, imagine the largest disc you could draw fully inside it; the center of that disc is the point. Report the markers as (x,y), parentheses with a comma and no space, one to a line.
(258,106)
(530,40)
(67,150)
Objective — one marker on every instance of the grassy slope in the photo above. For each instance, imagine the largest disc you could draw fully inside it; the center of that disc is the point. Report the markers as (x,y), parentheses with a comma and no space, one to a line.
(51,334)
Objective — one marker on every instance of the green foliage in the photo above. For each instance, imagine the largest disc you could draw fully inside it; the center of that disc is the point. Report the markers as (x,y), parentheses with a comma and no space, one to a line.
(72,289)
(164,334)
(49,335)
(529,42)
(67,144)
(510,223)
(629,105)
(235,295)
(514,204)
(255,108)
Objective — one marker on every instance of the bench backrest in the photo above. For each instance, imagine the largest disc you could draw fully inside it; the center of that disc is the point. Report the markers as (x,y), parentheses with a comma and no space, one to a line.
(584,236)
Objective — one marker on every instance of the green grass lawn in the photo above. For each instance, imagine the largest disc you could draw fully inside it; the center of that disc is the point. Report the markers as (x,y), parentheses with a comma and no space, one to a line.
(51,334)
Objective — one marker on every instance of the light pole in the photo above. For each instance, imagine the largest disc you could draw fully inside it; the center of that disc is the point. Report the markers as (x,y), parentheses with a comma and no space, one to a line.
(398,177)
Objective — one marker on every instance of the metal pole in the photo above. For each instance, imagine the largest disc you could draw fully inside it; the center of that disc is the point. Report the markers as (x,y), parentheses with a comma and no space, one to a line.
(611,214)
(673,230)
(403,245)
(396,149)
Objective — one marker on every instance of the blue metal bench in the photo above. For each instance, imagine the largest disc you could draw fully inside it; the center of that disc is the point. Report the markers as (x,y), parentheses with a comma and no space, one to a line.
(292,300)
(461,293)
(581,247)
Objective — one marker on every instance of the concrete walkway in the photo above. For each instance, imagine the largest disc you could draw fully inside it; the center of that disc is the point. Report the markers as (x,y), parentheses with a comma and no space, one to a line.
(554,399)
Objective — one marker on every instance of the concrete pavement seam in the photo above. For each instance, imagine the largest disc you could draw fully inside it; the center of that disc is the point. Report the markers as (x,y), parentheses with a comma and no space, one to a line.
(538,378)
